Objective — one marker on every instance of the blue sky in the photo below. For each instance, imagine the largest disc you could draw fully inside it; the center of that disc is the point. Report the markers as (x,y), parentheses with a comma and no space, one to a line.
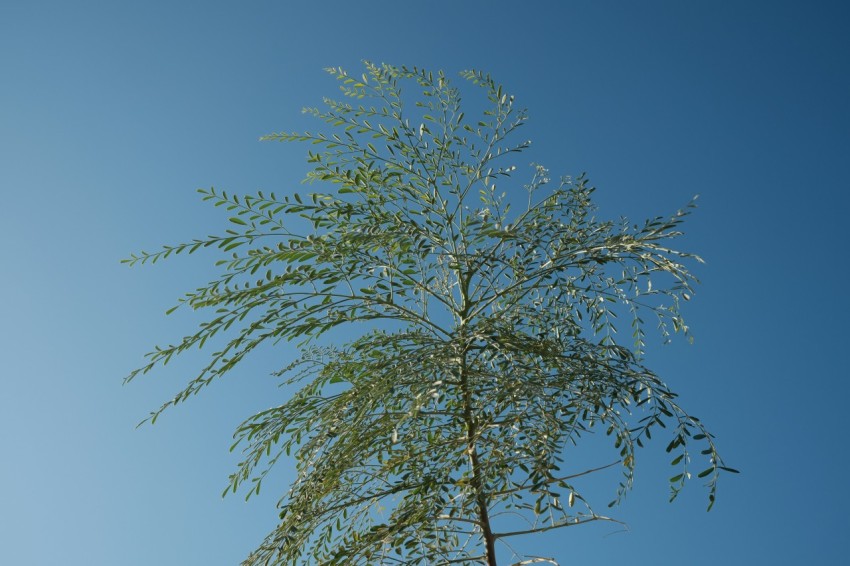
(113,113)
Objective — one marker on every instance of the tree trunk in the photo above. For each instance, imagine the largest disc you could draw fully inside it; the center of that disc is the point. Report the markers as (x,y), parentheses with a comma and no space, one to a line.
(477,482)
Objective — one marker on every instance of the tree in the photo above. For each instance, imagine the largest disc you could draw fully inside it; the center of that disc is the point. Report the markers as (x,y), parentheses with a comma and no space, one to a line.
(483,339)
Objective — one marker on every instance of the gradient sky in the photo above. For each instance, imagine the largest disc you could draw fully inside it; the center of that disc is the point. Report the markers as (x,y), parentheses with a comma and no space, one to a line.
(113,113)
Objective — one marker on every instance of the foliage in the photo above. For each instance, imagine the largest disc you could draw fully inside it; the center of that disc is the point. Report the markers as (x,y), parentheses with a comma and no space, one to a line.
(484,339)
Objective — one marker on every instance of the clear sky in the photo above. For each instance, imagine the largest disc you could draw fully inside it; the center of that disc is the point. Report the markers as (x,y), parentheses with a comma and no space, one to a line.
(113,113)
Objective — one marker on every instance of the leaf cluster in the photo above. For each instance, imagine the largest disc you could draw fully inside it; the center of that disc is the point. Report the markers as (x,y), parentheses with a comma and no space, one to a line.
(485,338)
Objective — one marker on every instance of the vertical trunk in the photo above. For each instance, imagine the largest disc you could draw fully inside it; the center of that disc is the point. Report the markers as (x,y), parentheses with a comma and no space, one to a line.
(481,498)
(477,482)
(483,512)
